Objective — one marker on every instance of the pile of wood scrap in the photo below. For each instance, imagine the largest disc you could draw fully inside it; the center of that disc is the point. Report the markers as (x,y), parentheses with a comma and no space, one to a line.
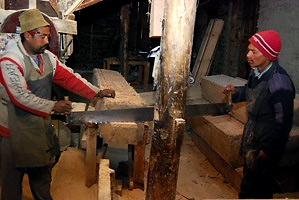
(219,137)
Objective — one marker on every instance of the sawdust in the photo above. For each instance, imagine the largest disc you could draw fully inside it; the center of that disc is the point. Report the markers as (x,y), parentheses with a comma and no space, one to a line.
(197,179)
(69,177)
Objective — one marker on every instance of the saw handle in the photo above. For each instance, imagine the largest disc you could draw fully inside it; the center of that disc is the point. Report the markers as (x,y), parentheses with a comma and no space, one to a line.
(229,98)
(67,117)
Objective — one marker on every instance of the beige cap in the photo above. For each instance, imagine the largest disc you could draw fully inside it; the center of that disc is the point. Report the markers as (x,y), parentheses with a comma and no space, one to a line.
(32,19)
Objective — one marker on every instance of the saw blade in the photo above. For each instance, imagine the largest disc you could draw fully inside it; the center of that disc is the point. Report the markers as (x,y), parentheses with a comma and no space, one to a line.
(118,115)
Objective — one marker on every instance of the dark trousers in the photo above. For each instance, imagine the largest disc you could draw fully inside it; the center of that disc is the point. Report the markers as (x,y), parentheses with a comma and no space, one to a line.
(257,182)
(12,177)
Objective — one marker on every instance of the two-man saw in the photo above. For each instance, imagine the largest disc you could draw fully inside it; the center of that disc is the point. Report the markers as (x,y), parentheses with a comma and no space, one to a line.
(143,114)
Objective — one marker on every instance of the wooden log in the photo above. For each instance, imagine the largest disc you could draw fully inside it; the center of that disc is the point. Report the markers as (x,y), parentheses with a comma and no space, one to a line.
(118,133)
(126,97)
(176,48)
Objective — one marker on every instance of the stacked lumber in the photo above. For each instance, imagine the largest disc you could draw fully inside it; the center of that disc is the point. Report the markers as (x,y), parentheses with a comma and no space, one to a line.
(219,137)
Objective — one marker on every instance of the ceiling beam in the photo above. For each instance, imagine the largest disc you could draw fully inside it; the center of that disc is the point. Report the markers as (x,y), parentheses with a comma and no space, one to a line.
(88,3)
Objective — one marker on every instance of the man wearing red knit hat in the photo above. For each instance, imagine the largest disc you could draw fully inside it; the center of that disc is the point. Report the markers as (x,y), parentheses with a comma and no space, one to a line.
(269,94)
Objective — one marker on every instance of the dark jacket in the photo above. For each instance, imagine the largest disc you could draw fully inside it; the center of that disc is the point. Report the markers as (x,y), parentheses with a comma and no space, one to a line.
(270,104)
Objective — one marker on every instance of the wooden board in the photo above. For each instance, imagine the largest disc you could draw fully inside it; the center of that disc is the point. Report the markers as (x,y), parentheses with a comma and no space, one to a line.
(194,95)
(222,133)
(65,25)
(231,175)
(206,52)
(106,180)
(156,17)
(212,90)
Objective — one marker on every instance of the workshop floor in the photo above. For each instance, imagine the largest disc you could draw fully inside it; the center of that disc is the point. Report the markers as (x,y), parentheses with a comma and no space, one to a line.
(197,179)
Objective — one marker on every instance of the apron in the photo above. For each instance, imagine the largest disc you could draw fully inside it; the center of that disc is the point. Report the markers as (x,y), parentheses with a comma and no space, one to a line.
(33,138)
(256,98)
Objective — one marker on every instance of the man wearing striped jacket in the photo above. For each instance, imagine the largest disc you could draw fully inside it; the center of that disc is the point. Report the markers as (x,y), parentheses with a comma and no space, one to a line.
(27,71)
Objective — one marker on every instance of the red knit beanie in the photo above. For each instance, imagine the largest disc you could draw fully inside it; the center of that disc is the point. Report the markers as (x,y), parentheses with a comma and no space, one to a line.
(268,43)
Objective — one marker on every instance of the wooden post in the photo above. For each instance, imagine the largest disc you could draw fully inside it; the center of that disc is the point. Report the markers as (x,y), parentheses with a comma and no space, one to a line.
(91,155)
(123,54)
(233,39)
(176,46)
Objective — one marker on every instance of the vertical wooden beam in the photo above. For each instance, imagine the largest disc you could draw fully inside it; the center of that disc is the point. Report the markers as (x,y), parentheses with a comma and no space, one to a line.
(123,54)
(250,12)
(233,39)
(176,47)
(139,162)
(91,155)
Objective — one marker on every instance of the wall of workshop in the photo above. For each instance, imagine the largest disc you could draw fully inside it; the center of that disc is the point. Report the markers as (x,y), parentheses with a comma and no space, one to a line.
(283,16)
(229,54)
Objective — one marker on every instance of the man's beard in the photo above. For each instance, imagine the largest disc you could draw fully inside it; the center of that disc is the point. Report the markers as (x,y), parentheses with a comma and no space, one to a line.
(41,49)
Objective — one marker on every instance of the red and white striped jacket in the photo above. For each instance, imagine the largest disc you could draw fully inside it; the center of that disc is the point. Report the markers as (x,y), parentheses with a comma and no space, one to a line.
(12,67)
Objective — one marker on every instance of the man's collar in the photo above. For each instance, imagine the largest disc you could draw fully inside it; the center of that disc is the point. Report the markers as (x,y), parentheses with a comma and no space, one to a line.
(259,74)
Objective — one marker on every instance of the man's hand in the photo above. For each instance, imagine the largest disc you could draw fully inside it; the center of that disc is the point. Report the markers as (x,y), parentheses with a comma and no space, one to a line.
(106,93)
(261,155)
(63,107)
(228,89)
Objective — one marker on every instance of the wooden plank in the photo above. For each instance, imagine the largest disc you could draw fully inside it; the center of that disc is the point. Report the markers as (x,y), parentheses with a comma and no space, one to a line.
(194,95)
(91,161)
(54,5)
(87,3)
(156,17)
(226,170)
(212,90)
(65,25)
(106,180)
(72,8)
(222,133)
(126,96)
(202,48)
(206,60)
(130,165)
(139,162)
